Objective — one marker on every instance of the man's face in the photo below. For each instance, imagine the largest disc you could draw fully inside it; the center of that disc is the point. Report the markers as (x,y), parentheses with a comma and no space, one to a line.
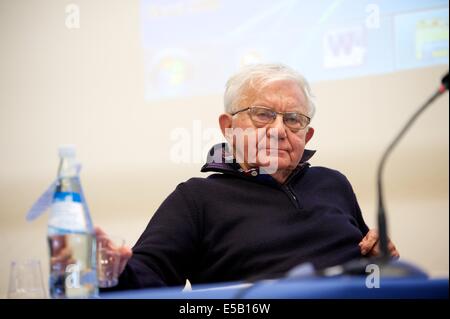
(280,96)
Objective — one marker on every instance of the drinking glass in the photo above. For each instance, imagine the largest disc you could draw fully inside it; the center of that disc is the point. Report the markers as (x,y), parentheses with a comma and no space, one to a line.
(25,280)
(108,260)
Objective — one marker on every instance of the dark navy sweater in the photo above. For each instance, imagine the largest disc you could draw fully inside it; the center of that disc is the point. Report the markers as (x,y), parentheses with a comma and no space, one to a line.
(240,225)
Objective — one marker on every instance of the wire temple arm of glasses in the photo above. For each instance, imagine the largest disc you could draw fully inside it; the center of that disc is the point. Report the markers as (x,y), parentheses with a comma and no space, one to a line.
(239,111)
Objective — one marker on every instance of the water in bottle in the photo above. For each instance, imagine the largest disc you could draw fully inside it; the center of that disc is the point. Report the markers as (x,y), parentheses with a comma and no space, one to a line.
(71,236)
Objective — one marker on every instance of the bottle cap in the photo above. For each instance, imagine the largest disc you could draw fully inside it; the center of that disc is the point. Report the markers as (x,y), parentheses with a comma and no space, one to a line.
(67,150)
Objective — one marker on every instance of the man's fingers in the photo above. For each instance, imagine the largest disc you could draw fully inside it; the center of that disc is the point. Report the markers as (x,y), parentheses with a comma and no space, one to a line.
(393,250)
(125,255)
(368,247)
(99,231)
(375,251)
(372,236)
(369,241)
(64,257)
(391,246)
(125,252)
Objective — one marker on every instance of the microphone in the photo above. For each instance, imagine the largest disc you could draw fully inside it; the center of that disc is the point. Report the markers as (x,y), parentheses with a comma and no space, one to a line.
(444,83)
(382,223)
(389,268)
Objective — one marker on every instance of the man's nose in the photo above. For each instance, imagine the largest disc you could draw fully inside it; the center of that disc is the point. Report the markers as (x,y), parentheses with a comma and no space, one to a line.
(277,128)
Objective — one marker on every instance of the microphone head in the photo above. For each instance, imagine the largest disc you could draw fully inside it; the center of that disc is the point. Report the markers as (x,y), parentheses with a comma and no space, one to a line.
(444,81)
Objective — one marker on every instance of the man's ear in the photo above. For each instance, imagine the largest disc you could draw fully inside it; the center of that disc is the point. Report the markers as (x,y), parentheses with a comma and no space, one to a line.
(309,134)
(225,122)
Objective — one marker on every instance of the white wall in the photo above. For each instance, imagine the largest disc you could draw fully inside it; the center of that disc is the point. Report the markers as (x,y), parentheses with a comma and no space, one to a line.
(85,86)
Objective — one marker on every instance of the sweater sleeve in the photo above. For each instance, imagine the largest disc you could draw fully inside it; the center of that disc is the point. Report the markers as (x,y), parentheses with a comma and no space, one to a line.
(164,255)
(356,212)
(358,216)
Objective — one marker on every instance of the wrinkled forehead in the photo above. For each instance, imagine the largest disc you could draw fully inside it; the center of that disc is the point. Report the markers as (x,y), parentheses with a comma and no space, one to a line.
(284,92)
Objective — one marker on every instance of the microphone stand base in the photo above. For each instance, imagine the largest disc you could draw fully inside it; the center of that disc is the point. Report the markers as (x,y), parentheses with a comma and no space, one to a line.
(363,266)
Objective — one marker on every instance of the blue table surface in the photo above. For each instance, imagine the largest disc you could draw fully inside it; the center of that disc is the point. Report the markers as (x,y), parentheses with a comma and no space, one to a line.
(341,287)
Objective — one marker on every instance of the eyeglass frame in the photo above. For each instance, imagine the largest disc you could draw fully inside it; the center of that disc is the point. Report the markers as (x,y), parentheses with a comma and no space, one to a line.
(249,108)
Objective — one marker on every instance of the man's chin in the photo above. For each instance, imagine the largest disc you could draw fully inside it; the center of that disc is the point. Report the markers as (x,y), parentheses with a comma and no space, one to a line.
(275,162)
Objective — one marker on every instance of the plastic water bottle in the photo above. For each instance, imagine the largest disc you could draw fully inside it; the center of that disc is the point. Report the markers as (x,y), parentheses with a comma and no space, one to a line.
(71,236)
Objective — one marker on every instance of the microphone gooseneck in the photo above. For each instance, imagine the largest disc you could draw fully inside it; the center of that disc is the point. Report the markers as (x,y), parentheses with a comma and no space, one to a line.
(382,223)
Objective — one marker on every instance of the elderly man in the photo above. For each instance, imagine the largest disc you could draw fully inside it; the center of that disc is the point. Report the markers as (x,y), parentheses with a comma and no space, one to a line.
(265,209)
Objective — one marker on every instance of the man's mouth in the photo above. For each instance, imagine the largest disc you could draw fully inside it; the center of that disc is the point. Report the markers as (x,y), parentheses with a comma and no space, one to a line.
(276,150)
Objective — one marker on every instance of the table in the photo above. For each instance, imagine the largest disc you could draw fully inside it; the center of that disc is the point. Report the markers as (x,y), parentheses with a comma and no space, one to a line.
(340,287)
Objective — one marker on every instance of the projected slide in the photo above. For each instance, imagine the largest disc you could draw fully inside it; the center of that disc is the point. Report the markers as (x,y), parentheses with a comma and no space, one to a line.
(192,46)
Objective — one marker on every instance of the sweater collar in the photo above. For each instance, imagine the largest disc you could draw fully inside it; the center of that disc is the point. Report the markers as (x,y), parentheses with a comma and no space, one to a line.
(220,160)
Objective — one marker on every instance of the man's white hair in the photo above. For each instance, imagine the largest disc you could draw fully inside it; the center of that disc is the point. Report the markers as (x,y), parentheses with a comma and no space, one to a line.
(257,76)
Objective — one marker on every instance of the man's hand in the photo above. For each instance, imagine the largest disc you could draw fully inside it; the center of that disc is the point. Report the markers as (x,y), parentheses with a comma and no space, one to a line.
(124,252)
(370,245)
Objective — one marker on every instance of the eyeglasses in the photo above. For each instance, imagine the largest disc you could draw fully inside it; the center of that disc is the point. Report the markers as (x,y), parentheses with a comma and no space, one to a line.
(261,116)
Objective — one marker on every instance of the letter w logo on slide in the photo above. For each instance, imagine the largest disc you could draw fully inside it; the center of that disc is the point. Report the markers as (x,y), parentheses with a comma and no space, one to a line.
(344,47)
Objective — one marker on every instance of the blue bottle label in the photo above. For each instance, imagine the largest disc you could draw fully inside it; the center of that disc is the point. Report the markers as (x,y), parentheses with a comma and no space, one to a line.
(67,213)
(67,196)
